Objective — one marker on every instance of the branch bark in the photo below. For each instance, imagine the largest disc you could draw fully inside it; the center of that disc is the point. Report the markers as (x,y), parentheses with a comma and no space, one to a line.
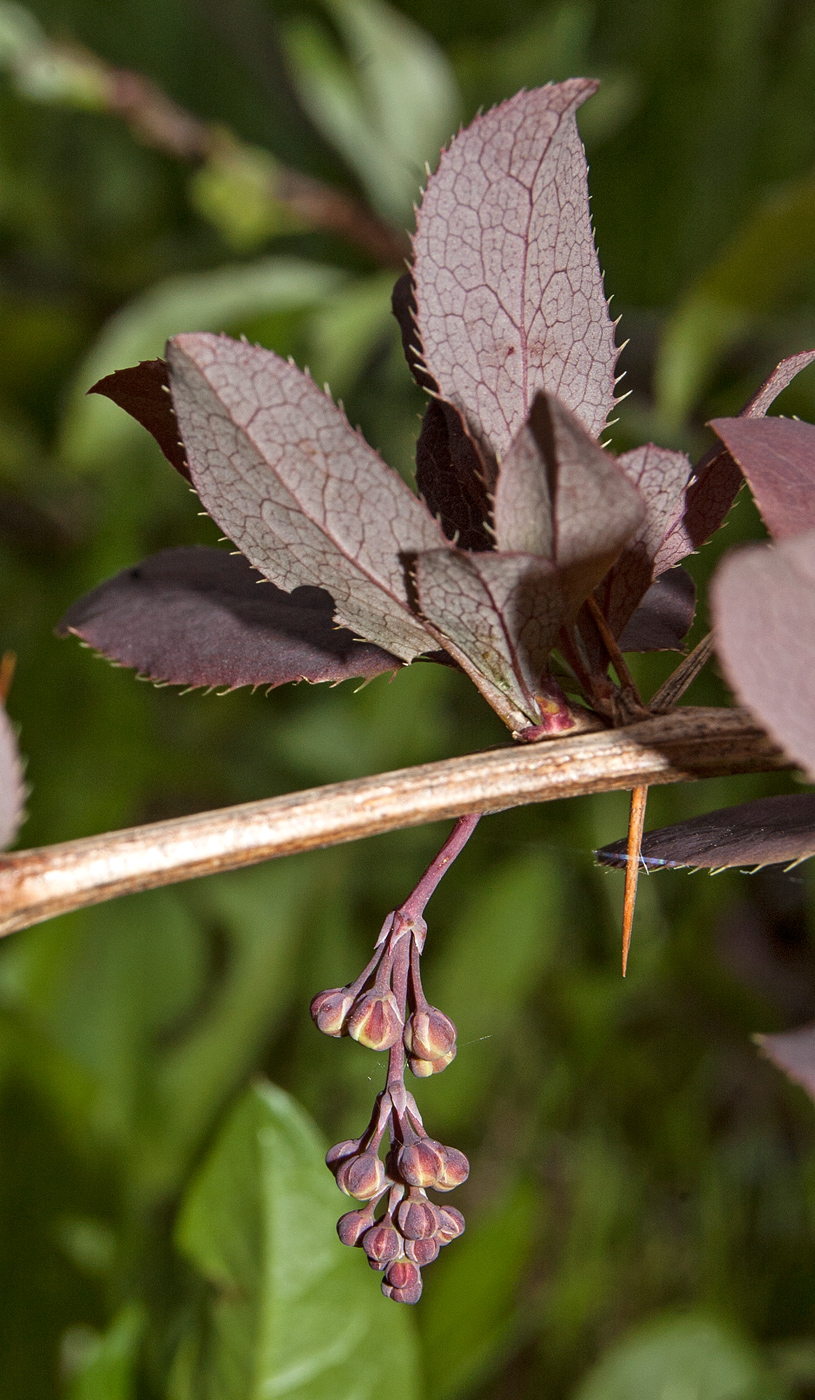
(691,743)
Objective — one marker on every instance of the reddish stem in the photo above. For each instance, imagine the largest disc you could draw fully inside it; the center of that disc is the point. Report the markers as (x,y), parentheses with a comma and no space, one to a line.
(414,905)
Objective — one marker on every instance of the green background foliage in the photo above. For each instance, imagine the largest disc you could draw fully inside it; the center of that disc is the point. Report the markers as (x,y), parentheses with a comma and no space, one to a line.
(642,1201)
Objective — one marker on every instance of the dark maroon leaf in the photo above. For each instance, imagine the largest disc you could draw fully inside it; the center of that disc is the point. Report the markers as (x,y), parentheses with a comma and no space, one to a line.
(763,606)
(143,391)
(561,496)
(12,788)
(509,295)
(793,1052)
(717,478)
(663,618)
(452,478)
(777,456)
(501,611)
(769,831)
(205,617)
(304,497)
(403,305)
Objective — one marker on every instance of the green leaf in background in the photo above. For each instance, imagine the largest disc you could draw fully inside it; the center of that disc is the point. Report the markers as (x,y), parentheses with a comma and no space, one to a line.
(104,1367)
(348,328)
(95,429)
(390,109)
(679,1358)
(755,274)
(291,1311)
(473,1317)
(489,968)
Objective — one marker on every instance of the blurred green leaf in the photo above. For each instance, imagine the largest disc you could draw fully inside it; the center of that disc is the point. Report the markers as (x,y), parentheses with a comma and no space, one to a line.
(489,967)
(348,328)
(389,107)
(473,1314)
(755,274)
(95,430)
(106,1365)
(291,1310)
(679,1358)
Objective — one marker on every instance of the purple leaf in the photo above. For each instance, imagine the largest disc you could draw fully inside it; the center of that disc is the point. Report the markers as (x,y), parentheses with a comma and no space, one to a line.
(451,476)
(717,478)
(663,618)
(769,831)
(143,391)
(204,617)
(661,476)
(12,788)
(502,611)
(304,497)
(509,295)
(763,607)
(793,1052)
(561,496)
(777,456)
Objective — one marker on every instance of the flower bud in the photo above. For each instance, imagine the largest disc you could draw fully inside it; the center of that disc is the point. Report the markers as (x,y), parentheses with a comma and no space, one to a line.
(382,1244)
(362,1176)
(340,1152)
(402,1273)
(420,1163)
(375,1020)
(352,1227)
(418,1220)
(424,1068)
(411,1294)
(452,1224)
(455,1170)
(430,1035)
(422,1251)
(329,1011)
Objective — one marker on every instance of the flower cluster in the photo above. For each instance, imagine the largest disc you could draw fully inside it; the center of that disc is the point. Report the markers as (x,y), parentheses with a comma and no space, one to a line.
(386,1009)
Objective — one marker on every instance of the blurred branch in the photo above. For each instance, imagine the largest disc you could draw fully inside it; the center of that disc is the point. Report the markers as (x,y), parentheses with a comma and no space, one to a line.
(691,743)
(229,171)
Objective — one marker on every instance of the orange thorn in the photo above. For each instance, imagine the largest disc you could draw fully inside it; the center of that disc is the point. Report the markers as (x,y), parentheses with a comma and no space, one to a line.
(8,661)
(636,822)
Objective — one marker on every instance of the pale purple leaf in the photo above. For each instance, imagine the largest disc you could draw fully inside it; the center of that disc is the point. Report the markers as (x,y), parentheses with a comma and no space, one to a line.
(12,788)
(777,456)
(793,1052)
(661,476)
(561,496)
(717,478)
(452,478)
(304,497)
(503,611)
(143,391)
(509,294)
(768,831)
(203,617)
(763,607)
(663,618)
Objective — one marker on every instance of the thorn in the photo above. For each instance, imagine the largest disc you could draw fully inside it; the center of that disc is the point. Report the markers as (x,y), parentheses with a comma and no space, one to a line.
(636,822)
(8,661)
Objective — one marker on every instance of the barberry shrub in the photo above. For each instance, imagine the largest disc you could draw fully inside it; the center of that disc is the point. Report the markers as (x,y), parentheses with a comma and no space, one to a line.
(529,557)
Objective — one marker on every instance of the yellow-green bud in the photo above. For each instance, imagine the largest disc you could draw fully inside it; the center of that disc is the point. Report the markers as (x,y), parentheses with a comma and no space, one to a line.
(424,1068)
(430,1035)
(375,1020)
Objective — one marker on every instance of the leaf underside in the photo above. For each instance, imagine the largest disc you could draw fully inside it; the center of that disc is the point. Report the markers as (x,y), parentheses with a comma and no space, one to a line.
(777,456)
(508,291)
(768,831)
(12,788)
(503,611)
(302,495)
(203,617)
(763,608)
